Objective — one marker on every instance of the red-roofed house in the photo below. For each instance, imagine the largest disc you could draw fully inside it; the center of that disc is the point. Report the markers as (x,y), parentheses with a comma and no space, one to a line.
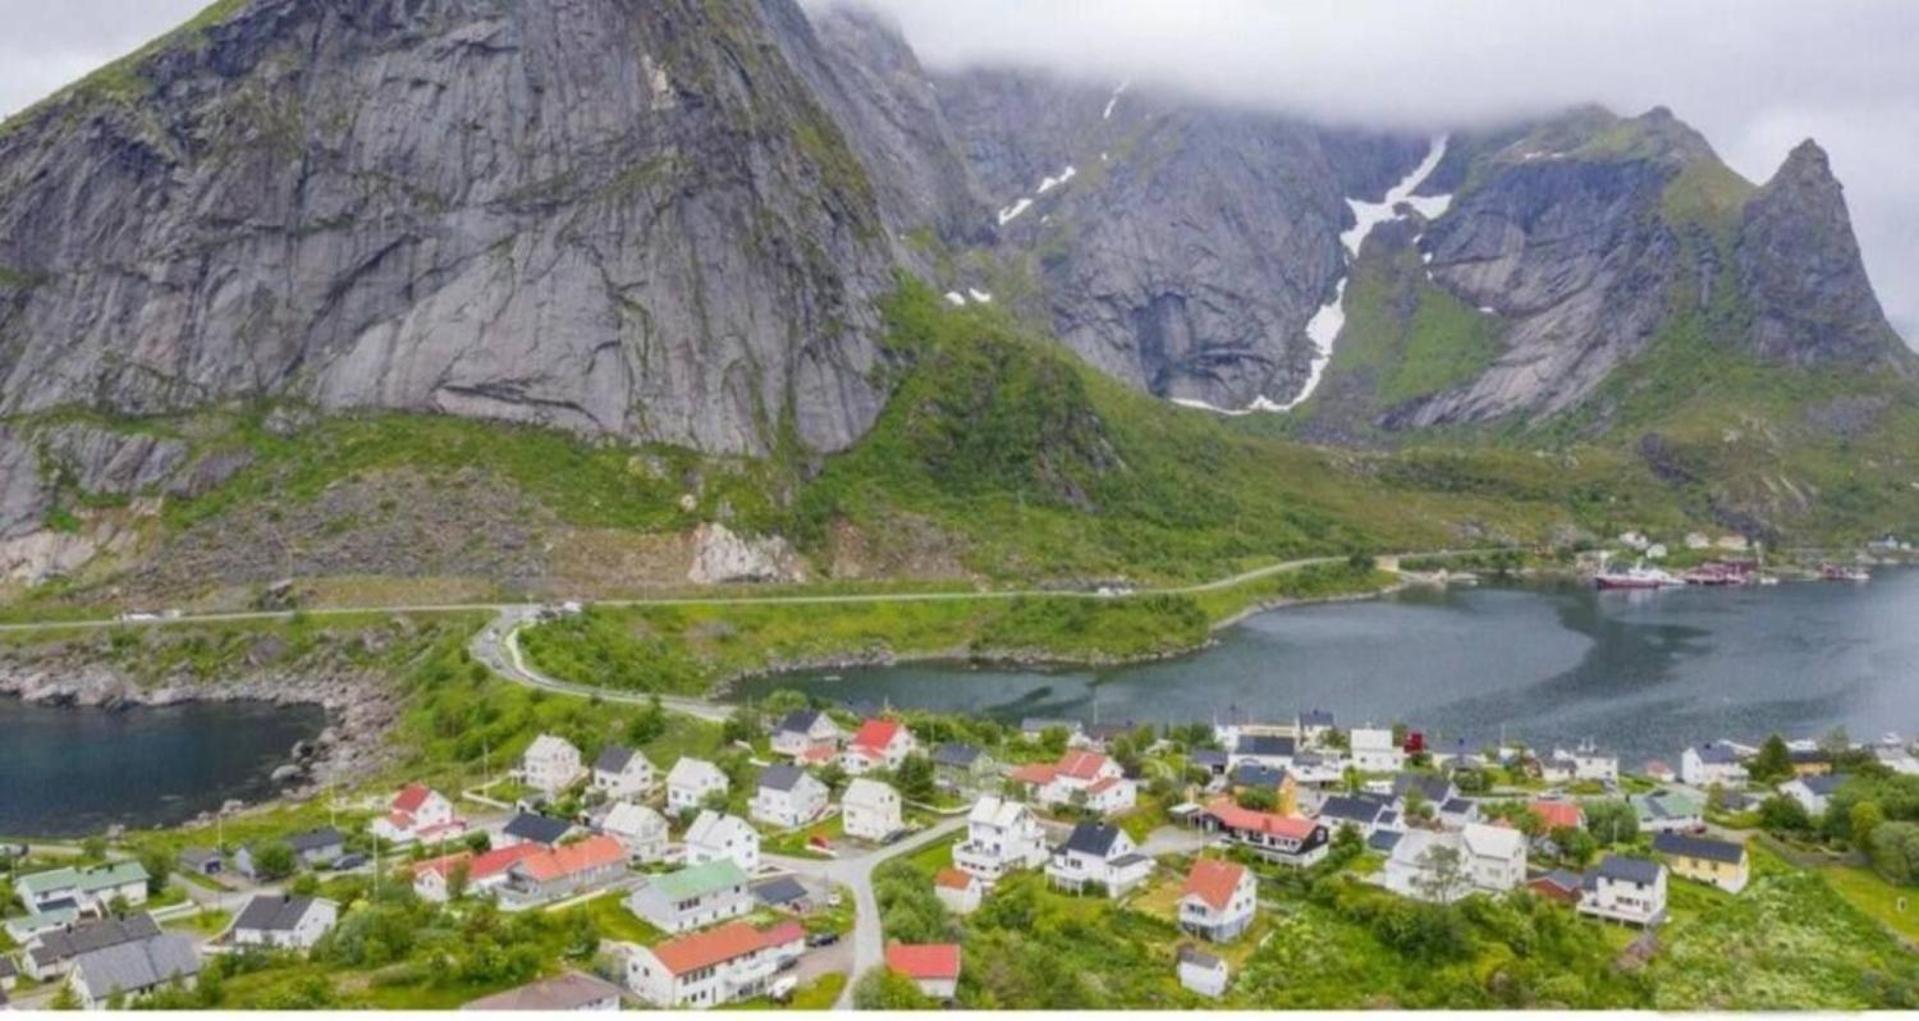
(563,871)
(878,744)
(934,967)
(1559,814)
(1285,839)
(1219,900)
(1081,777)
(431,879)
(959,891)
(732,962)
(418,813)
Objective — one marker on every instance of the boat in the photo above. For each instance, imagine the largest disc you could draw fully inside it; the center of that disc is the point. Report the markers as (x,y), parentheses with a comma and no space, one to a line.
(1840,572)
(1636,577)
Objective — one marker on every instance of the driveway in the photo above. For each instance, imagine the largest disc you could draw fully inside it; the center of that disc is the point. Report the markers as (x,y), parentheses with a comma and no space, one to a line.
(869,942)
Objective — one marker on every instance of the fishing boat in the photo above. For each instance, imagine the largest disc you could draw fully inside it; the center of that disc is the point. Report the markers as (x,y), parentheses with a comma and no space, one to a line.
(1638,576)
(1841,572)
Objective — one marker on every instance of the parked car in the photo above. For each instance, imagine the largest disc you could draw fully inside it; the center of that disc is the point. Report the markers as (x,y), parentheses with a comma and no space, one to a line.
(349,862)
(822,939)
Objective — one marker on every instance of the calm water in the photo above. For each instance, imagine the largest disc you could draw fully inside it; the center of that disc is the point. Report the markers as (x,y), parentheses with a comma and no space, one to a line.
(1645,673)
(66,772)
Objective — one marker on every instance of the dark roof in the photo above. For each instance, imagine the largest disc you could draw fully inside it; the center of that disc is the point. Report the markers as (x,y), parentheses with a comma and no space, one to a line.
(1807,755)
(537,829)
(798,721)
(1561,879)
(1823,785)
(1716,753)
(961,755)
(315,840)
(782,777)
(1190,954)
(1109,731)
(139,965)
(1698,847)
(1130,859)
(1208,757)
(1264,744)
(271,913)
(1036,724)
(1437,789)
(7,970)
(80,939)
(780,892)
(613,759)
(1350,809)
(1623,869)
(1253,774)
(1316,718)
(1456,806)
(1092,838)
(1384,840)
(198,856)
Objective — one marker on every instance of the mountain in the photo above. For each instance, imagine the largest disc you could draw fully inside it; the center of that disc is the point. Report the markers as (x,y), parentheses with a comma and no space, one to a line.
(614,272)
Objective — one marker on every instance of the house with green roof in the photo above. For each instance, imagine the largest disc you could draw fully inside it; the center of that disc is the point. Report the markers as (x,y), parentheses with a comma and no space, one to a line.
(86,889)
(1669,811)
(693,897)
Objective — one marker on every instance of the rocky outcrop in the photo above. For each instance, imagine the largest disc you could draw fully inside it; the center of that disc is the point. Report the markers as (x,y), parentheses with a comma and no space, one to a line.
(1798,265)
(721,557)
(612,216)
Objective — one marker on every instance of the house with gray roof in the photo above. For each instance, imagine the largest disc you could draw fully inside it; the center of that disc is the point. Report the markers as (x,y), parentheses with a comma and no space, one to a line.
(788,796)
(1626,889)
(132,970)
(1814,793)
(51,954)
(530,828)
(284,921)
(315,848)
(1098,855)
(962,767)
(621,773)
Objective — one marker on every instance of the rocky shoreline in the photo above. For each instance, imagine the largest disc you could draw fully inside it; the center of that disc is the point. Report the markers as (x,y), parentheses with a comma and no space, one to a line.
(360,710)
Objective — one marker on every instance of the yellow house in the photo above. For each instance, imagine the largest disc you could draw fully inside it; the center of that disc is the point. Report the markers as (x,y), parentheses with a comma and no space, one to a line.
(1719,862)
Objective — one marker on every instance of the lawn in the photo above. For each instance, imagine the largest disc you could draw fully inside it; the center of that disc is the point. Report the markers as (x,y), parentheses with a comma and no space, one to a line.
(613,921)
(1869,892)
(797,843)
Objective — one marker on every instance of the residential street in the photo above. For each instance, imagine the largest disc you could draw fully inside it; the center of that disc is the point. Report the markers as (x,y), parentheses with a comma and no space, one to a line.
(869,943)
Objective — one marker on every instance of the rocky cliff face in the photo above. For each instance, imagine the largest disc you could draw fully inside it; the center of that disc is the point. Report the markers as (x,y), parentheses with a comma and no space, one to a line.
(612,216)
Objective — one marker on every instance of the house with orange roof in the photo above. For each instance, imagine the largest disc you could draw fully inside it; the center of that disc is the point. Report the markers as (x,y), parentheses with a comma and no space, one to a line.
(1080,777)
(878,744)
(418,814)
(1218,900)
(563,872)
(732,962)
(960,891)
(933,967)
(1283,839)
(1558,813)
(433,879)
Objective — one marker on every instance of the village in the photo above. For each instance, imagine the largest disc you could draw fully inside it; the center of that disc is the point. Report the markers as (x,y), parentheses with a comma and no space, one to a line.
(611,879)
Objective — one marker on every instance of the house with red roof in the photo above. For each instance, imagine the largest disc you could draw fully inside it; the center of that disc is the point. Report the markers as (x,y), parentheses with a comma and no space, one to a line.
(878,744)
(418,814)
(1283,839)
(432,880)
(735,961)
(1219,900)
(563,872)
(959,891)
(1558,813)
(1080,777)
(933,967)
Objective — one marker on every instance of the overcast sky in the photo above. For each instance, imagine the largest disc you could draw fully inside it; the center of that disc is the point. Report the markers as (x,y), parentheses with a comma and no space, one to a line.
(1755,75)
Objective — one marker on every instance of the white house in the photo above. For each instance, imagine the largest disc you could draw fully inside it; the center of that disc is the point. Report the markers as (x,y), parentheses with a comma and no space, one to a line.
(870,810)
(959,891)
(88,889)
(1272,750)
(706,969)
(1097,854)
(788,797)
(878,744)
(1201,972)
(1630,890)
(1585,762)
(1313,727)
(1218,900)
(1001,836)
(714,836)
(1483,859)
(1814,793)
(642,831)
(283,921)
(621,773)
(418,813)
(693,897)
(1375,751)
(932,967)
(803,731)
(690,781)
(1711,764)
(1084,778)
(551,764)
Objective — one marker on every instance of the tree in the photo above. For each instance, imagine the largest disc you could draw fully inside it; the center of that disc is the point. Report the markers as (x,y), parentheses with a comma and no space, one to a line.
(646,726)
(833,775)
(743,725)
(1575,845)
(1612,822)
(457,879)
(274,860)
(915,778)
(1444,879)
(479,842)
(1418,806)
(65,998)
(1257,799)
(1782,813)
(1361,563)
(94,848)
(1773,763)
(159,866)
(1864,818)
(1053,740)
(881,989)
(1895,851)
(1836,742)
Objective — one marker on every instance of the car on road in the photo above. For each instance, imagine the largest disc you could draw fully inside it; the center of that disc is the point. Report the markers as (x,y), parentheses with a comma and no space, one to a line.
(822,939)
(349,862)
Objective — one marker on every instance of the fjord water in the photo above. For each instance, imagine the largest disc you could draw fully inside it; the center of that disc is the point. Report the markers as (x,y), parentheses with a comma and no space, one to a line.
(1645,673)
(69,772)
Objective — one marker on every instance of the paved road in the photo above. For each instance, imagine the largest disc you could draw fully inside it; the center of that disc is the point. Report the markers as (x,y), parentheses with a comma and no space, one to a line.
(869,942)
